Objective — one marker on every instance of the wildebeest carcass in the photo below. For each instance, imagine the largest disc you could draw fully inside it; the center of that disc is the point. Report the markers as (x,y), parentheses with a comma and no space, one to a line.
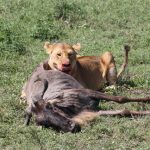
(57,100)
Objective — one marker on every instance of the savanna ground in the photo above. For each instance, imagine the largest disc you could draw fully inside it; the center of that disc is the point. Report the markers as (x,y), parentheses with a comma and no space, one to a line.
(99,26)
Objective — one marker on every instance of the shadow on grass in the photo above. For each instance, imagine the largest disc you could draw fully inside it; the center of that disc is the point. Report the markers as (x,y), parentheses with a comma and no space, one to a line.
(127,83)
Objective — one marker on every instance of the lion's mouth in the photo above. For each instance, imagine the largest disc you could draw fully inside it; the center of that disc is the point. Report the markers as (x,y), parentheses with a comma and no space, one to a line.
(63,68)
(66,69)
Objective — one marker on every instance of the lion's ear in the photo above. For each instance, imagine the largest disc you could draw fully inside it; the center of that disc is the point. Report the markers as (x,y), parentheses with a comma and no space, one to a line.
(76,47)
(48,47)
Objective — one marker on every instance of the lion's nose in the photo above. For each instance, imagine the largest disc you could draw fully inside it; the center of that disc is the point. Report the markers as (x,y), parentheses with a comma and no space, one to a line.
(66,63)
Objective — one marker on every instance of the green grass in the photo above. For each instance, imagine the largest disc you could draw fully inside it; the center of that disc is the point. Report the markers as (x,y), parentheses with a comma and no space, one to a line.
(99,26)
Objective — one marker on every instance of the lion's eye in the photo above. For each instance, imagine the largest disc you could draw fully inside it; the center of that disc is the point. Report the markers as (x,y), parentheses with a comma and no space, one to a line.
(59,54)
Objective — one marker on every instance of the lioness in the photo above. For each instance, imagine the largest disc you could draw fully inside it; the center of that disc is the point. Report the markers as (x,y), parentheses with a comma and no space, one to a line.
(92,72)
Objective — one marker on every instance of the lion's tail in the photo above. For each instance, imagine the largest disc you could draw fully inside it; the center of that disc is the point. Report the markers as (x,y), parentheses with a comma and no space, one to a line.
(125,63)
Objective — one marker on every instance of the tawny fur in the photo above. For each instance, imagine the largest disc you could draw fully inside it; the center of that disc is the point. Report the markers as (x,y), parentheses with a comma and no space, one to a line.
(92,72)
(85,117)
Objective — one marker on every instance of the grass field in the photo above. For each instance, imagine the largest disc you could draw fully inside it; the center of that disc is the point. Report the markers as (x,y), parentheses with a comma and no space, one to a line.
(99,26)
